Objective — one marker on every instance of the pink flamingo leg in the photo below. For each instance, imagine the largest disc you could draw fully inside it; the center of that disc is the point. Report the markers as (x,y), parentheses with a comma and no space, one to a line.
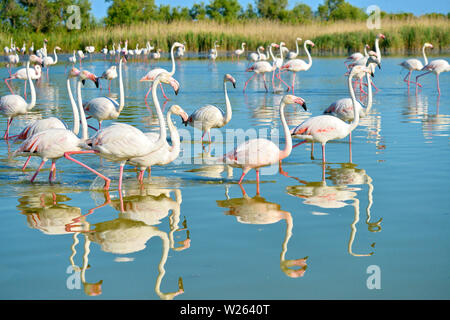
(10,89)
(409,78)
(109,87)
(323,153)
(257,181)
(52,174)
(26,163)
(150,89)
(282,81)
(121,175)
(25,91)
(293,82)
(296,145)
(37,171)
(149,172)
(162,90)
(8,124)
(245,86)
(141,176)
(350,146)
(437,79)
(242,177)
(67,155)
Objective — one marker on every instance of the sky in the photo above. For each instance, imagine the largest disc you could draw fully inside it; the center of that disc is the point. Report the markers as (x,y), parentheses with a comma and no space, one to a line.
(418,7)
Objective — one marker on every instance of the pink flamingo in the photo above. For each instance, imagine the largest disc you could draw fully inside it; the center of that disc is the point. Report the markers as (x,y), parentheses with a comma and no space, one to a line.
(435,66)
(152,74)
(121,142)
(209,116)
(21,74)
(296,65)
(13,105)
(104,108)
(326,127)
(49,61)
(239,52)
(56,143)
(109,74)
(167,153)
(415,64)
(257,153)
(356,57)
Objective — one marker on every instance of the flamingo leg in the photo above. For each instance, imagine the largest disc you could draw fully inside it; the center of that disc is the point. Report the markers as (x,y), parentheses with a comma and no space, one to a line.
(67,155)
(437,82)
(37,171)
(8,124)
(409,77)
(150,89)
(312,150)
(141,176)
(242,176)
(296,145)
(26,163)
(323,153)
(149,172)
(122,164)
(52,174)
(350,146)
(279,77)
(265,85)
(245,86)
(10,89)
(109,87)
(162,90)
(25,91)
(257,181)
(293,82)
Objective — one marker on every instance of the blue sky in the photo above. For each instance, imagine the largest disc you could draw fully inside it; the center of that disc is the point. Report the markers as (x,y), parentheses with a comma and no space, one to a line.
(99,7)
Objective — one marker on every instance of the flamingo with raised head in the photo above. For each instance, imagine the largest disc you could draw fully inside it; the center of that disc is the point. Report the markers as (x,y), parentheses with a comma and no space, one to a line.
(354,57)
(109,74)
(104,108)
(21,74)
(437,67)
(255,56)
(49,61)
(212,56)
(257,153)
(238,52)
(292,55)
(152,74)
(167,153)
(297,65)
(209,116)
(415,64)
(56,143)
(121,142)
(326,127)
(13,59)
(13,105)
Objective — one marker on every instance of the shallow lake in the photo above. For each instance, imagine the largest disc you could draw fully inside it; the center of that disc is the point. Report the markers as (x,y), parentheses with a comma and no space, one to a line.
(373,226)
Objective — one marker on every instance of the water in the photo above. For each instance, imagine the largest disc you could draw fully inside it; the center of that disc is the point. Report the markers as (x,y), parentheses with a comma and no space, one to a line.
(189,233)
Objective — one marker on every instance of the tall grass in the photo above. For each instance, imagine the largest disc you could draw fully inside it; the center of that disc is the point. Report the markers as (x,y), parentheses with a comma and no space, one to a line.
(331,38)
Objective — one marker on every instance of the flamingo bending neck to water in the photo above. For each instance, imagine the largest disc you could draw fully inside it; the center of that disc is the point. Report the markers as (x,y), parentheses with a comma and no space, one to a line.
(257,153)
(326,127)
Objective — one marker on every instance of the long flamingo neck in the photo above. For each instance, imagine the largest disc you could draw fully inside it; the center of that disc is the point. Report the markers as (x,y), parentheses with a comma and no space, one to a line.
(425,59)
(287,135)
(76,116)
(271,53)
(33,91)
(377,48)
(228,112)
(162,262)
(174,136)
(56,56)
(173,60)
(84,127)
(121,91)
(297,49)
(162,123)
(355,120)
(369,94)
(309,56)
(287,236)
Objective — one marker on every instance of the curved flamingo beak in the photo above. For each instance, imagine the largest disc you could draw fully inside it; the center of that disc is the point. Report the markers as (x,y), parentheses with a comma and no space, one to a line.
(175,85)
(184,117)
(301,102)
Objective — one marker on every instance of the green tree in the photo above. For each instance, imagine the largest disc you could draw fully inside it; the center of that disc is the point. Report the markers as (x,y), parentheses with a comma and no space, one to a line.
(223,9)
(198,11)
(272,9)
(249,13)
(12,14)
(345,11)
(129,11)
(302,12)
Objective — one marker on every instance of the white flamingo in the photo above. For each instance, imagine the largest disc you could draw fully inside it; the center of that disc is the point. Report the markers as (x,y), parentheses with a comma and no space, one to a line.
(209,116)
(21,74)
(109,74)
(167,153)
(13,105)
(292,55)
(255,56)
(415,64)
(297,65)
(212,56)
(153,73)
(239,52)
(324,128)
(437,67)
(257,153)
(49,61)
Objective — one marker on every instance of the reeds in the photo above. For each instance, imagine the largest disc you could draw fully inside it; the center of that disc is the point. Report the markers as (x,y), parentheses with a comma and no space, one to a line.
(331,38)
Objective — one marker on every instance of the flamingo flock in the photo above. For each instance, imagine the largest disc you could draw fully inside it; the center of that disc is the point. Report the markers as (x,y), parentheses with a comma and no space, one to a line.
(122,143)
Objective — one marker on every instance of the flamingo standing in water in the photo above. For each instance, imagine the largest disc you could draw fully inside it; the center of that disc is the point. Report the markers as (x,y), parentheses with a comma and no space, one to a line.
(21,74)
(109,74)
(167,153)
(121,142)
(213,52)
(326,127)
(152,74)
(209,116)
(296,65)
(49,61)
(435,66)
(13,105)
(56,143)
(13,59)
(238,52)
(292,55)
(415,64)
(354,57)
(257,153)
(104,108)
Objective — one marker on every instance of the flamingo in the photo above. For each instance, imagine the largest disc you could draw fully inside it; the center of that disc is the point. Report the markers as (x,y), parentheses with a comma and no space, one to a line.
(112,52)
(356,56)
(437,67)
(105,52)
(213,52)
(24,49)
(13,59)
(238,52)
(255,56)
(121,142)
(156,55)
(296,65)
(166,154)
(81,56)
(257,153)
(104,108)
(90,50)
(292,55)
(109,74)
(152,74)
(56,143)
(13,105)
(49,61)
(31,49)
(415,64)
(326,127)
(180,51)
(21,74)
(209,116)
(73,59)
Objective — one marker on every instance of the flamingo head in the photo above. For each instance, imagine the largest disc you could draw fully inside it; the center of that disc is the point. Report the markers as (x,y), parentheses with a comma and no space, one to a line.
(291,99)
(367,46)
(275,45)
(381,36)
(229,77)
(45,40)
(176,109)
(165,77)
(177,44)
(428,45)
(57,48)
(310,43)
(86,75)
(74,72)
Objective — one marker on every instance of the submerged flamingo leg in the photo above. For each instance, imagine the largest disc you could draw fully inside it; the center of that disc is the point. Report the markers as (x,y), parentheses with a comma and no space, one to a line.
(293,82)
(407,78)
(421,75)
(265,85)
(67,155)
(437,81)
(38,169)
(26,163)
(8,124)
(246,83)
(150,89)
(282,81)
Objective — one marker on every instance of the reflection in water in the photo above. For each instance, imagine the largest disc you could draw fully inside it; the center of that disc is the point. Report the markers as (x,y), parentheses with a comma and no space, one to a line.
(324,196)
(257,210)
